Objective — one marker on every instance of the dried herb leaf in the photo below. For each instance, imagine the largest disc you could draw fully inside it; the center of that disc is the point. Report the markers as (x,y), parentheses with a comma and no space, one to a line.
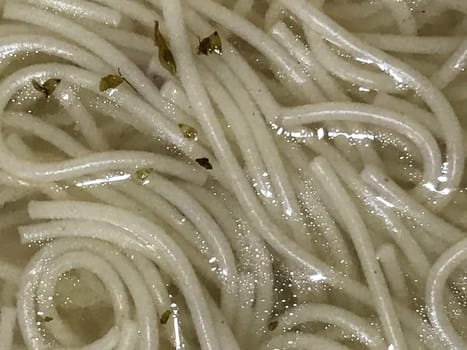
(45,318)
(210,44)
(48,87)
(188,131)
(165,316)
(110,81)
(273,325)
(166,58)
(204,162)
(143,173)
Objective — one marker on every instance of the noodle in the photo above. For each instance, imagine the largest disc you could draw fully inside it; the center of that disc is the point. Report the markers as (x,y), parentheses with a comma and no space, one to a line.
(366,253)
(232,174)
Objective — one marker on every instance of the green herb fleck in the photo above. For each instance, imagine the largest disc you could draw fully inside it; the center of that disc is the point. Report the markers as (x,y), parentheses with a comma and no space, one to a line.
(112,81)
(273,325)
(165,316)
(143,173)
(45,318)
(48,87)
(188,131)
(166,58)
(210,44)
(204,162)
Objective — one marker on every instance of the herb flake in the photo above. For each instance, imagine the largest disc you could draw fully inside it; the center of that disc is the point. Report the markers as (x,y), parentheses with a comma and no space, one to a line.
(166,57)
(273,325)
(48,87)
(210,44)
(112,81)
(204,162)
(143,173)
(188,131)
(45,319)
(165,316)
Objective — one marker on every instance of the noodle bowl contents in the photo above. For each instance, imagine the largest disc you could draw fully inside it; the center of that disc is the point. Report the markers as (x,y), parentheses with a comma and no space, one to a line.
(233,174)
